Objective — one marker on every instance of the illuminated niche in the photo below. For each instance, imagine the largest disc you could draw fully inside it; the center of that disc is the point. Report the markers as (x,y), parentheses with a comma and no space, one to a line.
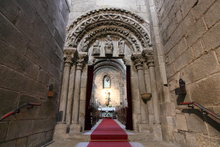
(106,82)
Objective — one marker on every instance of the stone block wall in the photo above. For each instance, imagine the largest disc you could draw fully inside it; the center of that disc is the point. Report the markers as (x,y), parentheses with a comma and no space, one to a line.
(32,34)
(190,31)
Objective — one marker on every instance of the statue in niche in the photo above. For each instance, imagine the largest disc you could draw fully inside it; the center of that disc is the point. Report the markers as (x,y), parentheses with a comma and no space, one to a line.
(109,46)
(96,48)
(121,47)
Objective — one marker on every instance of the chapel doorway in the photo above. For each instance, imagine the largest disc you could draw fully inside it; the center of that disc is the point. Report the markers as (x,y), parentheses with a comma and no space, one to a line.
(108,85)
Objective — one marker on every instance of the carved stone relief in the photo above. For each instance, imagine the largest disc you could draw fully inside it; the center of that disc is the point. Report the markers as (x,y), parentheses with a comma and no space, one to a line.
(121,47)
(144,39)
(69,55)
(114,17)
(80,31)
(96,48)
(81,60)
(120,32)
(138,60)
(149,55)
(106,10)
(109,47)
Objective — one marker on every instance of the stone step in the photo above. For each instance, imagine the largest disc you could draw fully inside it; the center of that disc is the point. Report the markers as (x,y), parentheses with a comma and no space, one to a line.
(139,137)
(76,143)
(132,136)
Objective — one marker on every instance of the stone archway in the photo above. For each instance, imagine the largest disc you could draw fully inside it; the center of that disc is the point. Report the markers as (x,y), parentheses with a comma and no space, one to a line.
(91,32)
(106,18)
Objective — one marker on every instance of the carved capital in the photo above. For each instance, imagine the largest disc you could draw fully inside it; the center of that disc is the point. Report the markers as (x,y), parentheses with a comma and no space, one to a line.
(149,56)
(69,56)
(126,61)
(138,61)
(81,60)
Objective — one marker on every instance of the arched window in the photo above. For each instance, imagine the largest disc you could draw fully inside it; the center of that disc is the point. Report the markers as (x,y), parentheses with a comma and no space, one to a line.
(106,82)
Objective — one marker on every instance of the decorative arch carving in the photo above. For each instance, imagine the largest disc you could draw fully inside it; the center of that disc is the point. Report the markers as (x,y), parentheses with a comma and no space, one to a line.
(91,36)
(109,17)
(106,10)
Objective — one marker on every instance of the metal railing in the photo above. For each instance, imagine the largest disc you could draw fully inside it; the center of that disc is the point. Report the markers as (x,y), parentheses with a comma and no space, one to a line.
(17,110)
(202,108)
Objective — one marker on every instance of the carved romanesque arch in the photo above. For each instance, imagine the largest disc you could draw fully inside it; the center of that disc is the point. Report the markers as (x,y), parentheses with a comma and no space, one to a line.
(92,35)
(99,38)
(109,20)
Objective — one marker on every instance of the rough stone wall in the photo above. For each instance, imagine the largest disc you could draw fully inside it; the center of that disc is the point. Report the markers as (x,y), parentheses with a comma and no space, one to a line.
(190,31)
(32,34)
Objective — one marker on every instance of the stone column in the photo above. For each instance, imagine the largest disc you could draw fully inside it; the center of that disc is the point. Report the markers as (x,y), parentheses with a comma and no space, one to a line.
(68,57)
(82,109)
(151,66)
(149,104)
(136,111)
(138,62)
(82,58)
(70,92)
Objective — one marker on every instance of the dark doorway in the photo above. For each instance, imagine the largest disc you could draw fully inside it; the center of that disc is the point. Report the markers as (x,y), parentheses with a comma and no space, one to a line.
(88,124)
(129,122)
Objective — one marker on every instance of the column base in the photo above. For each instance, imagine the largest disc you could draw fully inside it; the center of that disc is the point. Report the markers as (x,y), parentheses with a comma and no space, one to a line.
(144,127)
(60,130)
(157,132)
(75,129)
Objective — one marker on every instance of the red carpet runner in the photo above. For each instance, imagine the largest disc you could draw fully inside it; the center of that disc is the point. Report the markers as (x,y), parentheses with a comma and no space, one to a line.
(109,134)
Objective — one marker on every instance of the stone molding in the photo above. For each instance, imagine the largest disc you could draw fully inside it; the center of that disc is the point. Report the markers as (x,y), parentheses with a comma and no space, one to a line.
(81,60)
(69,55)
(149,55)
(138,60)
(106,10)
(103,17)
(91,36)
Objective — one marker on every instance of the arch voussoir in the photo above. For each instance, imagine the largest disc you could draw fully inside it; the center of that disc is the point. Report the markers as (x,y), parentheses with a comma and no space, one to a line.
(108,18)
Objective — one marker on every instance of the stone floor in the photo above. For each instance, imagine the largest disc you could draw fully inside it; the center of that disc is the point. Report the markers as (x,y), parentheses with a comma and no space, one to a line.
(136,140)
(73,143)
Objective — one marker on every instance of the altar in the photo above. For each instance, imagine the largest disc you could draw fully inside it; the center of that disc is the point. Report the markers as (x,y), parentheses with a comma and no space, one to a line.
(107,112)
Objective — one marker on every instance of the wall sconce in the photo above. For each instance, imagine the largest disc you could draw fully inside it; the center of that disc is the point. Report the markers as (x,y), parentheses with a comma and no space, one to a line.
(146,97)
(50,93)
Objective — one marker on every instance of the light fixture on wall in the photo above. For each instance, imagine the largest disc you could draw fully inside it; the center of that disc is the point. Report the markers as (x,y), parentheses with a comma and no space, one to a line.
(146,97)
(50,93)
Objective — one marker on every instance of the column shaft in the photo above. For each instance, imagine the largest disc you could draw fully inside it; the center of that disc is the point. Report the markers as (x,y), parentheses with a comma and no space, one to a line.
(138,61)
(64,90)
(147,79)
(154,95)
(70,95)
(142,88)
(149,105)
(75,112)
(141,80)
